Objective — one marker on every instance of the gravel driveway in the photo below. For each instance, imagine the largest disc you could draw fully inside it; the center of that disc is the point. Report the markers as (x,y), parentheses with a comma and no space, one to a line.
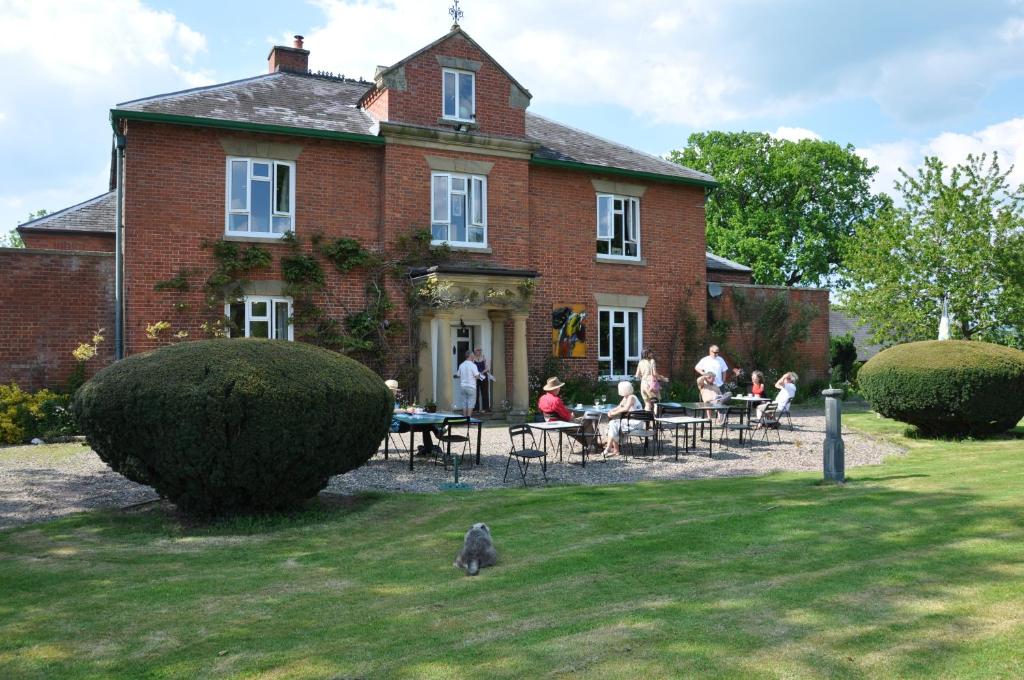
(38,483)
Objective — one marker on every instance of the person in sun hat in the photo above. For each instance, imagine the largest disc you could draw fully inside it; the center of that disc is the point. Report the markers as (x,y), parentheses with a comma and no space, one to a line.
(553,408)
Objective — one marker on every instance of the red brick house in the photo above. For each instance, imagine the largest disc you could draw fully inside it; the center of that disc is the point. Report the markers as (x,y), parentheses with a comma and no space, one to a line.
(538,217)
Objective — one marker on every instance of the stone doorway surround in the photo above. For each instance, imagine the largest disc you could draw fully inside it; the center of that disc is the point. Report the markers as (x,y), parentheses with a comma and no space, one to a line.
(450,294)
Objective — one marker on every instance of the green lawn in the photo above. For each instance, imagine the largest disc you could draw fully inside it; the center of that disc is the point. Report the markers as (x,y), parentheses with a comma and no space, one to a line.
(913,569)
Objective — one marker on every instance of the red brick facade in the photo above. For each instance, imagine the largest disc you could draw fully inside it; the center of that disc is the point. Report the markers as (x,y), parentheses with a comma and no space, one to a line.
(52,302)
(68,240)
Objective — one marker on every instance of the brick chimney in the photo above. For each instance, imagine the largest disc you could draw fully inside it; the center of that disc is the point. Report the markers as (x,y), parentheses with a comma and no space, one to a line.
(283,58)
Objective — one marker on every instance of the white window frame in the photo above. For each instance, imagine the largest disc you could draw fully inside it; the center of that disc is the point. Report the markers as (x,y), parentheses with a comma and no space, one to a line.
(472,99)
(270,318)
(476,191)
(630,224)
(608,333)
(228,211)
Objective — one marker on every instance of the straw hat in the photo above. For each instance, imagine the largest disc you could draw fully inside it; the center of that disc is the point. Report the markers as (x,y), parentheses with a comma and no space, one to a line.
(553,384)
(625,388)
(392,384)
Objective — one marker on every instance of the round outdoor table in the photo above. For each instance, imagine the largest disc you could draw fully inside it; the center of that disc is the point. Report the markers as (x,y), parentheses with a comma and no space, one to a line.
(422,422)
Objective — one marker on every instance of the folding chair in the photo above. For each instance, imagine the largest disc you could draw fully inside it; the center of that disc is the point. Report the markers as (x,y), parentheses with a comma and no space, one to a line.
(769,420)
(524,455)
(639,425)
(785,412)
(589,436)
(396,441)
(450,436)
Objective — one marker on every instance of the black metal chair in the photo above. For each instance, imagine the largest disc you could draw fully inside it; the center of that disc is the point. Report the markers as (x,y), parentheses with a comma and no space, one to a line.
(768,421)
(637,426)
(523,454)
(450,435)
(785,412)
(396,442)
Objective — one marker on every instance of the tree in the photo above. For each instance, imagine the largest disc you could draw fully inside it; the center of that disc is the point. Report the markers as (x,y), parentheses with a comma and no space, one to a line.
(783,208)
(12,240)
(959,234)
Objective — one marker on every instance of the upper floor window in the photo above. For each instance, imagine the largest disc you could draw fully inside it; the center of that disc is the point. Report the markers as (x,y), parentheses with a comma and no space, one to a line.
(260,317)
(459,95)
(618,226)
(260,197)
(458,209)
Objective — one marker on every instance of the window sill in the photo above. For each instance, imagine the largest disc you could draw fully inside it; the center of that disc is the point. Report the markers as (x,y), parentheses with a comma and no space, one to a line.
(463,247)
(252,238)
(455,122)
(611,259)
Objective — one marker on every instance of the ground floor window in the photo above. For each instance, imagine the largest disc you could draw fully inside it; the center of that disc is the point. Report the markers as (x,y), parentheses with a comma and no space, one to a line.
(260,317)
(620,334)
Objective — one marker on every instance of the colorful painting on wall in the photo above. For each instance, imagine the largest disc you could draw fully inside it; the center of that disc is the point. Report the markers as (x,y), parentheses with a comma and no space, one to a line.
(569,331)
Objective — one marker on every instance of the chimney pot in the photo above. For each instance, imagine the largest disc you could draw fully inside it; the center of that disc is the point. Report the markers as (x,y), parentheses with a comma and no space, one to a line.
(283,58)
(298,42)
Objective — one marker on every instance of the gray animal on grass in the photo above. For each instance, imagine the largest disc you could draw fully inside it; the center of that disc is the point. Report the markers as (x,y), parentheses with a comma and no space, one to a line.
(477,550)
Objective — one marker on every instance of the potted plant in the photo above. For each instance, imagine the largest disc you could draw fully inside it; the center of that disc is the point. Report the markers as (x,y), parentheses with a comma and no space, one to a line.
(430,406)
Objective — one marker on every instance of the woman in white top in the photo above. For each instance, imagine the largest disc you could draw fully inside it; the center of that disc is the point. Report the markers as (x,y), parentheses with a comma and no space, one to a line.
(616,428)
(787,390)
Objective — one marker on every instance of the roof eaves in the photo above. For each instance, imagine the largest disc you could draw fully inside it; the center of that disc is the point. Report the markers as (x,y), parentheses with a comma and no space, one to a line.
(244,126)
(625,172)
(727,264)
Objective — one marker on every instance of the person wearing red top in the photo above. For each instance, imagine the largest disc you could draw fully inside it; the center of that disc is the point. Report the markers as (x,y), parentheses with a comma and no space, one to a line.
(757,387)
(553,408)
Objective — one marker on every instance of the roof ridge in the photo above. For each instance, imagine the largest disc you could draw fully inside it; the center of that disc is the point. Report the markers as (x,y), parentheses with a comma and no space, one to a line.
(48,216)
(620,145)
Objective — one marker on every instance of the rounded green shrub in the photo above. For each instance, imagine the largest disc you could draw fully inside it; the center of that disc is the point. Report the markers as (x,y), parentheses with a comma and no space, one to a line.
(947,387)
(240,425)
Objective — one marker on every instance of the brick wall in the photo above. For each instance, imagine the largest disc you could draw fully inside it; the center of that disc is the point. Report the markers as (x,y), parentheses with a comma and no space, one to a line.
(66,240)
(730,277)
(812,354)
(420,103)
(50,302)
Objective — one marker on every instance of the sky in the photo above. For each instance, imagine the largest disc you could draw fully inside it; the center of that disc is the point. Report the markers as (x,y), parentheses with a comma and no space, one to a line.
(896,80)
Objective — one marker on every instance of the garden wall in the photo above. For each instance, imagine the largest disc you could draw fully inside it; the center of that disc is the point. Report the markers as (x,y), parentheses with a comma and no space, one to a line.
(750,334)
(50,302)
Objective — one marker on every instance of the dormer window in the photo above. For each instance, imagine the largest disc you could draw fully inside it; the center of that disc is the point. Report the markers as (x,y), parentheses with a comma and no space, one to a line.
(459,95)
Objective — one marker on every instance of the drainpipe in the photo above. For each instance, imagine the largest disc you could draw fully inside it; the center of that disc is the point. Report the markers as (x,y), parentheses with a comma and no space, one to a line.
(119,143)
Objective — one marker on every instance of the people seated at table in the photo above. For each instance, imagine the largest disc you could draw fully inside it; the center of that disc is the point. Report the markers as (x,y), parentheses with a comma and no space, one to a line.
(787,391)
(553,408)
(757,384)
(403,428)
(616,425)
(710,393)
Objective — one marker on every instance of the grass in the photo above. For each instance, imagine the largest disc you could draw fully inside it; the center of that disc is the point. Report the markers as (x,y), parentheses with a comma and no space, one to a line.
(915,568)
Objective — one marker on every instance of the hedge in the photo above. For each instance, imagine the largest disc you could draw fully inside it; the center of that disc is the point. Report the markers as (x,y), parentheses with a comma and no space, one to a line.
(947,387)
(237,425)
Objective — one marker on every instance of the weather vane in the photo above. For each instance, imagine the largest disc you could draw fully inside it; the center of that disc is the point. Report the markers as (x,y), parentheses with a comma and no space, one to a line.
(456,13)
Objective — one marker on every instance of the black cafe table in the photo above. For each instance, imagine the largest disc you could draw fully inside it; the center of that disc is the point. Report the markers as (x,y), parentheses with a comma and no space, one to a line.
(423,422)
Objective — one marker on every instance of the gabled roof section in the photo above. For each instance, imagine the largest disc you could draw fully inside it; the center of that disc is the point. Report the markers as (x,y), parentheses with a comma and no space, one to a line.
(562,145)
(88,217)
(716,263)
(283,99)
(456,30)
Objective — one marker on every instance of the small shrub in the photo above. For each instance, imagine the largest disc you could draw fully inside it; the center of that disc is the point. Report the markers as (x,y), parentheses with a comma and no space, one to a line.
(842,355)
(221,426)
(948,387)
(27,415)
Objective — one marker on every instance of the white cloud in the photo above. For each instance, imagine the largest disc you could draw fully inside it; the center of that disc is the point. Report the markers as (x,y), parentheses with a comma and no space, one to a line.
(1006,138)
(66,64)
(684,62)
(794,134)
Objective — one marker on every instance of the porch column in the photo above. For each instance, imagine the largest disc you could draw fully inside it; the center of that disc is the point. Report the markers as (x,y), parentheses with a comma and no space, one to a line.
(520,372)
(498,387)
(445,367)
(425,380)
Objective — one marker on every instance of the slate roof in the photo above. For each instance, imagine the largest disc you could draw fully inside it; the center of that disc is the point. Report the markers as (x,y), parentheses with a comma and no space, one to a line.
(280,98)
(720,264)
(840,323)
(563,143)
(93,216)
(330,104)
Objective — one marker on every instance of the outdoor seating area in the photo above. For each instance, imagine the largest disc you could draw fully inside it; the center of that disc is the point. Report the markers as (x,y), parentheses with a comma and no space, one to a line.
(684,444)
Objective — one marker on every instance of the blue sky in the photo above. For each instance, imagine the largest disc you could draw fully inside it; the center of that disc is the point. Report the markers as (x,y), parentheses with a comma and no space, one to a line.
(896,80)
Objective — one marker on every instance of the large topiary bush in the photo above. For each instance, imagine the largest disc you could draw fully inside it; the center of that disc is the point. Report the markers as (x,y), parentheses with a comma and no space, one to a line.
(223,426)
(947,387)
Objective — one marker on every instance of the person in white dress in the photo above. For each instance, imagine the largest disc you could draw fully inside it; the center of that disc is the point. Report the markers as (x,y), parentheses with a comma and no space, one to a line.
(787,390)
(616,427)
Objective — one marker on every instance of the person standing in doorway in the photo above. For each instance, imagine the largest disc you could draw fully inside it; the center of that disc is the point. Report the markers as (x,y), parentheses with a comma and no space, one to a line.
(469,376)
(483,386)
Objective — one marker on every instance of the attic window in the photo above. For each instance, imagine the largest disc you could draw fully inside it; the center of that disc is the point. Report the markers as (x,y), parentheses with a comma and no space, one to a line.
(459,95)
